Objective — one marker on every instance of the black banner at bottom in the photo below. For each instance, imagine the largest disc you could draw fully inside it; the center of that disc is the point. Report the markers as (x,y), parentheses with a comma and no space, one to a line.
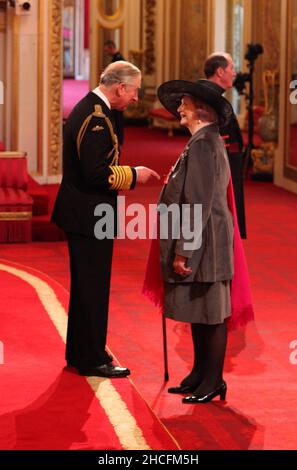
(133,459)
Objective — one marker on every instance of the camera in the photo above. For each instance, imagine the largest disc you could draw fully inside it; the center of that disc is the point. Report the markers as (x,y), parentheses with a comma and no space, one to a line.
(253,50)
(240,81)
(251,55)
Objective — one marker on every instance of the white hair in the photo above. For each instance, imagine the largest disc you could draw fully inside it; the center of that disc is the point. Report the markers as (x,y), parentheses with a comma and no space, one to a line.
(120,71)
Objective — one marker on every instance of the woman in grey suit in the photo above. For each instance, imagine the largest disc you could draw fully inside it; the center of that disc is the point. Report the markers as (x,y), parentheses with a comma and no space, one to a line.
(197,275)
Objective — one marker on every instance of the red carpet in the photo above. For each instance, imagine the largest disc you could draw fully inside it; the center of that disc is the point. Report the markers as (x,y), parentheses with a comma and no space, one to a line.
(44,406)
(257,364)
(260,412)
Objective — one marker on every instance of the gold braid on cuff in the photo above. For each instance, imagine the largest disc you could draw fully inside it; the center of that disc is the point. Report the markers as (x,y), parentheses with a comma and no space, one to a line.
(121,177)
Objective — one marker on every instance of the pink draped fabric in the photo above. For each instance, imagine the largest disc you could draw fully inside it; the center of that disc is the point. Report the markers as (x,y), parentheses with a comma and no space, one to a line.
(241,300)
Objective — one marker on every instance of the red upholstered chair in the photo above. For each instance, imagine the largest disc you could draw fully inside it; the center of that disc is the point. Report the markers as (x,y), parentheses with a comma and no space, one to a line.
(15,203)
(162,118)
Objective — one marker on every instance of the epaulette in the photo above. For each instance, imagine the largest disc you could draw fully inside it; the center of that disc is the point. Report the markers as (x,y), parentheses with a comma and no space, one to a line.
(121,176)
(100,114)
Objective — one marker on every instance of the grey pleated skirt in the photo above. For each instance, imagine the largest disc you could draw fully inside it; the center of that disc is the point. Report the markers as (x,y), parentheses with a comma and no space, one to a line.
(198,302)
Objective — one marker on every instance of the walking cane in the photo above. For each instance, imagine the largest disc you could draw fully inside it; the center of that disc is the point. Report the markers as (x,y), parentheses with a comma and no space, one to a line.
(166,374)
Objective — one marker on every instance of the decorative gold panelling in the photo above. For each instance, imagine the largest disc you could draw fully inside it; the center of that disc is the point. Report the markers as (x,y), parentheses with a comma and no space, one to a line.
(290,164)
(110,10)
(193,38)
(54,89)
(174,41)
(103,26)
(141,23)
(266,31)
(15,81)
(210,26)
(271,36)
(2,21)
(40,81)
(150,30)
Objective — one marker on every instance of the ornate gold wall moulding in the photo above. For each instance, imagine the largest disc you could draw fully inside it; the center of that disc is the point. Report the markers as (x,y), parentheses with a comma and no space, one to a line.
(40,84)
(194,14)
(150,30)
(2,21)
(290,125)
(15,81)
(104,6)
(55,86)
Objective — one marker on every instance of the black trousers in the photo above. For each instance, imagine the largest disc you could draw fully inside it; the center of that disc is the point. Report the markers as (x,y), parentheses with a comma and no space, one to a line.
(236,162)
(90,268)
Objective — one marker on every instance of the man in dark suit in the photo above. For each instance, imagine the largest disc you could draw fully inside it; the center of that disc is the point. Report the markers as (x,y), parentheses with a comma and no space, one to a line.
(92,176)
(111,50)
(219,69)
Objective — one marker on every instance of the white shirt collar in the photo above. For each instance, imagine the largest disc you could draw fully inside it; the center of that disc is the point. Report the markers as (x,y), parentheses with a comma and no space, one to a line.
(102,96)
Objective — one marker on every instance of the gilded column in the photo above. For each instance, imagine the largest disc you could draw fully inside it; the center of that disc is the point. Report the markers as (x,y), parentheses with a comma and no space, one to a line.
(150,40)
(15,82)
(193,38)
(54,87)
(266,31)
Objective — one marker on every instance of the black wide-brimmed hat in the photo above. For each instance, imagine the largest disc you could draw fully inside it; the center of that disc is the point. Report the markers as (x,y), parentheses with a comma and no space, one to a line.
(170,95)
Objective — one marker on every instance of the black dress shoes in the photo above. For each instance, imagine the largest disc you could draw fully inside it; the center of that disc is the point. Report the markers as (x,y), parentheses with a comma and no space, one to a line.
(106,370)
(71,363)
(221,390)
(182,389)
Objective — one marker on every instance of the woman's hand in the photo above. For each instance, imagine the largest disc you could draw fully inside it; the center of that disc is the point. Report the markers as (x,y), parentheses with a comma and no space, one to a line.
(179,266)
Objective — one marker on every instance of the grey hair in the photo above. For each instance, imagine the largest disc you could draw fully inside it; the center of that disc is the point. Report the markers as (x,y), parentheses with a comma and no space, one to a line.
(204,112)
(120,71)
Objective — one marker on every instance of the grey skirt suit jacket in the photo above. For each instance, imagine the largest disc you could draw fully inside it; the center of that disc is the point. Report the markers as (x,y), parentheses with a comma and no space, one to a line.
(200,176)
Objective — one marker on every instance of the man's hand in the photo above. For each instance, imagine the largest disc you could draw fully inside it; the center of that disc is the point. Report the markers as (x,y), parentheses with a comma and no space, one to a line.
(179,265)
(144,174)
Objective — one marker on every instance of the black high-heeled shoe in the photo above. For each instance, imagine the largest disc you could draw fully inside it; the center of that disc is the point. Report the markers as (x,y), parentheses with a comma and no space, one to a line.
(182,389)
(221,390)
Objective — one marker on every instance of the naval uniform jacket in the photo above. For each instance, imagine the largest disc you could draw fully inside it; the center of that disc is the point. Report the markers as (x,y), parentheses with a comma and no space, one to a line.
(201,176)
(91,171)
